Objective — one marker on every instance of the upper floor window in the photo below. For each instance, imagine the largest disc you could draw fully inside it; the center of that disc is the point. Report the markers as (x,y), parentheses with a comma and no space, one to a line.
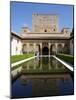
(18,41)
(11,38)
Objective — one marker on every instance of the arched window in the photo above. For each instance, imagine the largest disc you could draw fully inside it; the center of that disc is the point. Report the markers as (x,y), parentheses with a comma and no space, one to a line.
(53,49)
(11,38)
(17,40)
(24,49)
(66,48)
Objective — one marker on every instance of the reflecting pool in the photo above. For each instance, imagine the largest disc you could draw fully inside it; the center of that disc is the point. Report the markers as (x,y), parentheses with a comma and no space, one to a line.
(43,76)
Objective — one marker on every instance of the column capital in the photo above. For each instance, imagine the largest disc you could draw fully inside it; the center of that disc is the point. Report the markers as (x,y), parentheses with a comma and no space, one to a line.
(49,44)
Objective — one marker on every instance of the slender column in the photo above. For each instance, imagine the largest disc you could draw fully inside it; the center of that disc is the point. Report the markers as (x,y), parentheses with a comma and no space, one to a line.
(62,49)
(41,48)
(49,64)
(34,48)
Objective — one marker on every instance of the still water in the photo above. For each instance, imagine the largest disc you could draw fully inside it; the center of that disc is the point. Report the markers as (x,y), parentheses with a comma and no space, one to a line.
(44,76)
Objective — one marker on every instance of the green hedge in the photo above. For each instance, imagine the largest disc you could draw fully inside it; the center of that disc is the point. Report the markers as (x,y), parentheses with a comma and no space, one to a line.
(20,57)
(68,58)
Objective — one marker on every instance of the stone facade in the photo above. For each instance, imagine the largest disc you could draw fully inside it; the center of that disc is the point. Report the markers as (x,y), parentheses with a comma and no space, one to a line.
(46,47)
(45,23)
(45,38)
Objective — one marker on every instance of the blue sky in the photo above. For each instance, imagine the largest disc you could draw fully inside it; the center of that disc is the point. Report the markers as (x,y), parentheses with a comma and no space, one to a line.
(21,14)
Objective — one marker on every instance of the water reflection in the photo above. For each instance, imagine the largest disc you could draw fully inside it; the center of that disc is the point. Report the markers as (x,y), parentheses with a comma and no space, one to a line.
(30,86)
(44,64)
(31,83)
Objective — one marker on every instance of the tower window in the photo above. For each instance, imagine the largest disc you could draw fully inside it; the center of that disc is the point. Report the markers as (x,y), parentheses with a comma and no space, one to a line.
(25,31)
(45,30)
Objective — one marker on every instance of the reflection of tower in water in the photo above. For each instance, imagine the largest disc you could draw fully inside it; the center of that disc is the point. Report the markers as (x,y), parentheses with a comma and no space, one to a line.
(43,87)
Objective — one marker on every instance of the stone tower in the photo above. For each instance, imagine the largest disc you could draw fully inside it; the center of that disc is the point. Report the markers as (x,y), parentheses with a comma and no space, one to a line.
(45,23)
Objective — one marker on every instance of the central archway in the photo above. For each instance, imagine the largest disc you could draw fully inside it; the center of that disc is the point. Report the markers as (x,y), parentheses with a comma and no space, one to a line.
(45,51)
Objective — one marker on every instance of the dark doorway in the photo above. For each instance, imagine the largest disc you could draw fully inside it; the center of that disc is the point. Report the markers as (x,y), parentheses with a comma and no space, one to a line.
(45,51)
